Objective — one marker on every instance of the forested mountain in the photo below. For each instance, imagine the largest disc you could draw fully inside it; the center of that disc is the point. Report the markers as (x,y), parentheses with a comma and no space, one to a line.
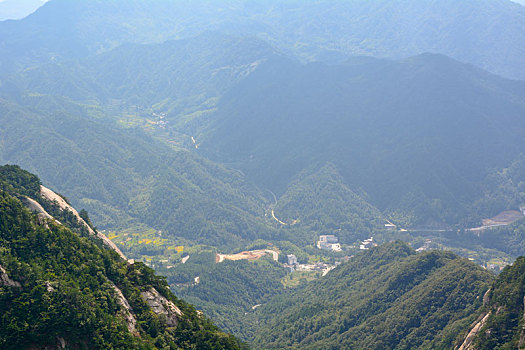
(475,31)
(420,139)
(501,324)
(175,77)
(62,288)
(125,177)
(419,136)
(91,110)
(211,139)
(423,159)
(256,109)
(319,201)
(386,298)
(229,292)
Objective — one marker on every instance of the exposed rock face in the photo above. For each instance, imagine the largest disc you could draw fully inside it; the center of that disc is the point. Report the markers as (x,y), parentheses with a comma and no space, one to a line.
(50,286)
(42,214)
(35,207)
(476,327)
(5,280)
(480,322)
(127,311)
(51,196)
(486,297)
(162,306)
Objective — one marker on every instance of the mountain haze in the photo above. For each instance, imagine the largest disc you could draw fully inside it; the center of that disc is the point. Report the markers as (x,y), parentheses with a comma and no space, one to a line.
(217,142)
(17,9)
(427,128)
(474,31)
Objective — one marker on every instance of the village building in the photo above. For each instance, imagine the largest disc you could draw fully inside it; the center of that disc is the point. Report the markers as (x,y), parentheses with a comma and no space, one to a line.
(367,244)
(329,242)
(425,246)
(390,227)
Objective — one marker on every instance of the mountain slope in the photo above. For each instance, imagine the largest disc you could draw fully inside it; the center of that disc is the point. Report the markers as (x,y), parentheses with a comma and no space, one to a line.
(125,178)
(62,288)
(227,292)
(501,326)
(386,298)
(474,31)
(319,201)
(175,77)
(419,136)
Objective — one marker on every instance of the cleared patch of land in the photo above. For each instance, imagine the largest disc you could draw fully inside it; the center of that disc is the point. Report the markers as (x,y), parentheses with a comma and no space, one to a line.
(503,218)
(247,255)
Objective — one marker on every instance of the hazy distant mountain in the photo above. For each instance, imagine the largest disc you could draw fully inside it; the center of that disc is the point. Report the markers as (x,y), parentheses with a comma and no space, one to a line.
(417,139)
(175,76)
(16,9)
(475,31)
(417,136)
(265,123)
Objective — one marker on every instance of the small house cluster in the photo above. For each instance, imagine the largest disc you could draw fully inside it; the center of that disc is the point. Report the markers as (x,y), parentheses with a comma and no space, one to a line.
(329,242)
(426,246)
(293,265)
(495,266)
(390,227)
(367,244)
(318,266)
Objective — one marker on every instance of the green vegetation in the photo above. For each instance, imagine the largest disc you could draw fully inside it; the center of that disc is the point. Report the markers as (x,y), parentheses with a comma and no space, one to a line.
(127,180)
(322,203)
(421,158)
(299,278)
(15,181)
(374,159)
(387,297)
(227,292)
(504,326)
(173,148)
(509,239)
(63,289)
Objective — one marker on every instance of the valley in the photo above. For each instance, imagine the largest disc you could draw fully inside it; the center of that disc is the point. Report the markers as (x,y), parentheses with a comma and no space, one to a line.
(307,175)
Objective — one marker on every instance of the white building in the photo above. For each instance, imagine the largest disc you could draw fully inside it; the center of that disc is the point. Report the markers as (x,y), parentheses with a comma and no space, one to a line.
(329,242)
(367,244)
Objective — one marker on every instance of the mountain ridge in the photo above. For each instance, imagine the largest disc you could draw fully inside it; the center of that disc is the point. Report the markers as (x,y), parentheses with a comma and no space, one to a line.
(387,297)
(82,291)
(375,120)
(469,31)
